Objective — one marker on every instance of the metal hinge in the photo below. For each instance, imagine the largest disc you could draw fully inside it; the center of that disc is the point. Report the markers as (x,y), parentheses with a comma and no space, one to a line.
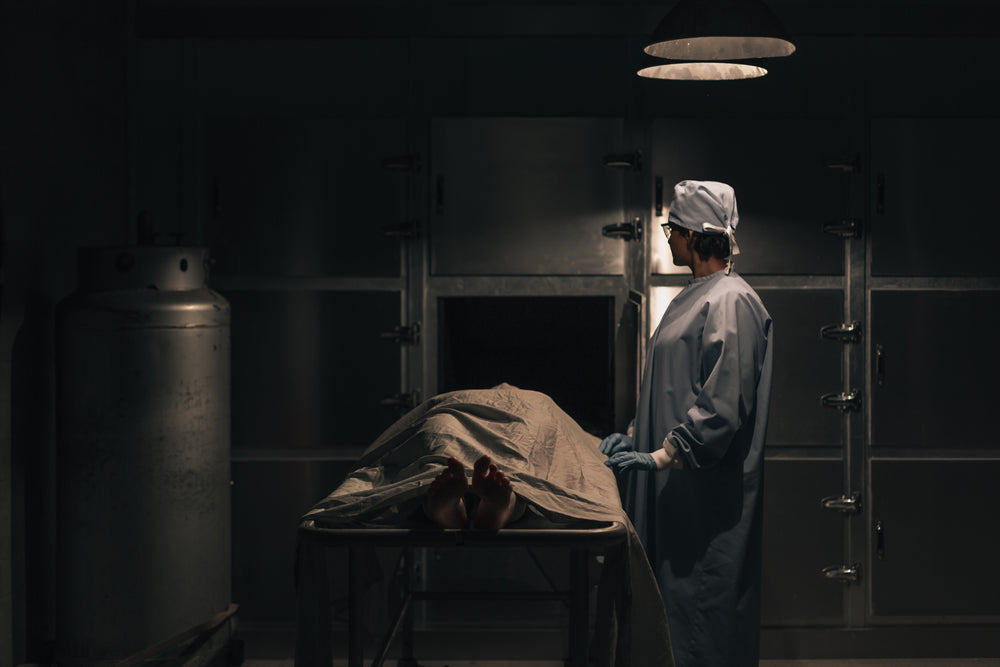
(402,230)
(631,161)
(844,401)
(850,164)
(409,162)
(845,332)
(848,504)
(848,229)
(849,574)
(628,231)
(402,401)
(404,335)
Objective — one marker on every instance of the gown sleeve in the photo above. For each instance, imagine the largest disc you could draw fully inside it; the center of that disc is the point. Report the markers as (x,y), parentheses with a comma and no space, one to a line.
(732,350)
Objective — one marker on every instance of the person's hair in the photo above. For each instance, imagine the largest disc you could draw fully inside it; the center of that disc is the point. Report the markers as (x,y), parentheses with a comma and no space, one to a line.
(711,245)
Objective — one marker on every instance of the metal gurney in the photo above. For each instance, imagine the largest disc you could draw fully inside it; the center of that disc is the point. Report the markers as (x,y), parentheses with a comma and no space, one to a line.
(553,465)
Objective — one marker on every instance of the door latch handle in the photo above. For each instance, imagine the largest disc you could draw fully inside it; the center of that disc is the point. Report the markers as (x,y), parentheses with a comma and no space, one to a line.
(879,540)
(844,401)
(848,504)
(404,335)
(629,231)
(845,332)
(847,229)
(847,573)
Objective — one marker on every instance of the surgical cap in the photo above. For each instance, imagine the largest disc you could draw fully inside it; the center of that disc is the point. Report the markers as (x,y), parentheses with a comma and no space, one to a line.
(706,207)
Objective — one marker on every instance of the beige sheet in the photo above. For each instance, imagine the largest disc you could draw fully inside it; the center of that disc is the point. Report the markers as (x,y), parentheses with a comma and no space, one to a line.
(552,463)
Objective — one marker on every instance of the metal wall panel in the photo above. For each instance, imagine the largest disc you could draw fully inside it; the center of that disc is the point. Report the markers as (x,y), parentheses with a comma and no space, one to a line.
(525,196)
(328,77)
(937,552)
(894,87)
(304,197)
(806,366)
(800,539)
(567,76)
(627,373)
(785,190)
(309,368)
(932,181)
(933,383)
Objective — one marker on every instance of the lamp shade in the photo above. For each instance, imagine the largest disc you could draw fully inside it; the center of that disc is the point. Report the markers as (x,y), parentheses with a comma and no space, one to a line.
(716,30)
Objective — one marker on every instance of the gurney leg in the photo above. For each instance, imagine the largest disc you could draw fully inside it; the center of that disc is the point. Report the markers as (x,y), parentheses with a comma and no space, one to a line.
(579,612)
(313,644)
(406,653)
(355,643)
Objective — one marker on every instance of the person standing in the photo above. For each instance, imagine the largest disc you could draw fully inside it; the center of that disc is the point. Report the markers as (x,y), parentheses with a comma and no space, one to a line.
(693,460)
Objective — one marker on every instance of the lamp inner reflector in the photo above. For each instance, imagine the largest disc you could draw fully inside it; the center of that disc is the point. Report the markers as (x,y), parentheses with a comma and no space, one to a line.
(702,71)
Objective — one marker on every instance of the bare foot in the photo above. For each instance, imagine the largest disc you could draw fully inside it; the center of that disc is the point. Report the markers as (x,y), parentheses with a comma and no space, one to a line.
(497,498)
(443,503)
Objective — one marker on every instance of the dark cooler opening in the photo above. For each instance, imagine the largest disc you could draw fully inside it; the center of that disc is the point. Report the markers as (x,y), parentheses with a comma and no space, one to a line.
(560,346)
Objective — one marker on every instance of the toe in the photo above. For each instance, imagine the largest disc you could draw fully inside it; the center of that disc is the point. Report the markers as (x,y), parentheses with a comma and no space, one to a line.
(482,465)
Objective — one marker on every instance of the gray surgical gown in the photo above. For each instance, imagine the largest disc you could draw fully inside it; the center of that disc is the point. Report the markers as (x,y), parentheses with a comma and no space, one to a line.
(706,385)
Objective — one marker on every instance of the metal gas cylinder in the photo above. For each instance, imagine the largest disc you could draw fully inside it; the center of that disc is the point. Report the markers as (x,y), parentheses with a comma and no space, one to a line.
(143,387)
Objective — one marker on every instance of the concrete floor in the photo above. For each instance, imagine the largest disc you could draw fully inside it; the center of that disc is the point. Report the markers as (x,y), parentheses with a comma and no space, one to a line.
(269,648)
(985,662)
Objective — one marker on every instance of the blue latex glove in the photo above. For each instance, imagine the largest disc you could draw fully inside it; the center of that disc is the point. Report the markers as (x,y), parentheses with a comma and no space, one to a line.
(631,461)
(616,442)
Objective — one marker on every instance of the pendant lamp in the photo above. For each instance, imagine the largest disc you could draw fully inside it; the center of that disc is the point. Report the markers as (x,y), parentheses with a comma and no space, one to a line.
(715,40)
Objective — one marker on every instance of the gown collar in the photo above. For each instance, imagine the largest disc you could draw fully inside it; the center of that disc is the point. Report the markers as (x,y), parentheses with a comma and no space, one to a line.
(704,279)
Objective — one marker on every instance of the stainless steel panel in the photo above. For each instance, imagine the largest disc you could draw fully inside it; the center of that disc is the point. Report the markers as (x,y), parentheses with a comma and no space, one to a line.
(304,197)
(524,76)
(525,196)
(931,181)
(269,497)
(934,384)
(628,342)
(806,366)
(800,539)
(309,367)
(939,538)
(894,87)
(330,77)
(785,191)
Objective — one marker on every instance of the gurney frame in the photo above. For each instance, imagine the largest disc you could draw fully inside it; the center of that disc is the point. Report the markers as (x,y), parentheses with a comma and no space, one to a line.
(314,645)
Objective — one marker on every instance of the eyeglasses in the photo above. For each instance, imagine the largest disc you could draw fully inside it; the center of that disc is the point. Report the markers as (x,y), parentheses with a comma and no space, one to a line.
(667,228)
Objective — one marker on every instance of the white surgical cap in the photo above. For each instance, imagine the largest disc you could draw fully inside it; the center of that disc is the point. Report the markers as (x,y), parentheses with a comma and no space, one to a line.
(706,207)
(696,203)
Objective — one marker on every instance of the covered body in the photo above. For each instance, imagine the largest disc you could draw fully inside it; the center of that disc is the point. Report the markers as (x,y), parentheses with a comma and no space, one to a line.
(706,387)
(552,463)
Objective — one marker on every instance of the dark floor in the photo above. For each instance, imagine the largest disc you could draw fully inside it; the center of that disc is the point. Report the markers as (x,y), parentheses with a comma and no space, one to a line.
(274,647)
